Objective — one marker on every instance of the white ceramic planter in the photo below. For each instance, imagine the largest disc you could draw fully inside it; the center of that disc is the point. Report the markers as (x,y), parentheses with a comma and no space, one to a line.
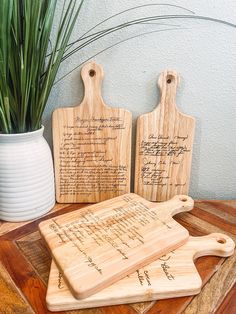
(26,176)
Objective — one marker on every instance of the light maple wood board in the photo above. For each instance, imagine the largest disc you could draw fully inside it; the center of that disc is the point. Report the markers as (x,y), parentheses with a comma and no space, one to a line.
(102,243)
(92,146)
(172,275)
(164,144)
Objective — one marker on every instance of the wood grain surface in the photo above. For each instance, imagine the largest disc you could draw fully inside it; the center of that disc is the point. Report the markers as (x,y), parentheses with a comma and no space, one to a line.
(103,243)
(172,275)
(164,144)
(26,263)
(5,226)
(92,146)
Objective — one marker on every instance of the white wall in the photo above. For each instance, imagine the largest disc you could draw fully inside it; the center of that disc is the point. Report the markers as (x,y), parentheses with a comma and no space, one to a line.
(203,52)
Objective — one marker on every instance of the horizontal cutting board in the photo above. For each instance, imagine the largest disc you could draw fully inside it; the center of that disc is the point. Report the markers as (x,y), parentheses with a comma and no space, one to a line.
(102,243)
(172,275)
(164,143)
(92,146)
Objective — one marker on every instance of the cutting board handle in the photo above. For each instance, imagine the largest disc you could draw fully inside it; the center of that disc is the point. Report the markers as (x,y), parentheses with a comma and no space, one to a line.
(92,75)
(177,204)
(212,244)
(168,82)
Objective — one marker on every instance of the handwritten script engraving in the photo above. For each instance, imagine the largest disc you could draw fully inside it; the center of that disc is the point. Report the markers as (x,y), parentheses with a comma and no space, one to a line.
(162,155)
(146,275)
(166,269)
(88,157)
(121,229)
(143,276)
(60,281)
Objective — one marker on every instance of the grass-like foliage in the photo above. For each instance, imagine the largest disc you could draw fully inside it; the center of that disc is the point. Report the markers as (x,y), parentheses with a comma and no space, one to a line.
(29,60)
(26,73)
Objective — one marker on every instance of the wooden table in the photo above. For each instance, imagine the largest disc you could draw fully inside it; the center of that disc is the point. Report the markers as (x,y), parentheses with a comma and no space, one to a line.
(25,263)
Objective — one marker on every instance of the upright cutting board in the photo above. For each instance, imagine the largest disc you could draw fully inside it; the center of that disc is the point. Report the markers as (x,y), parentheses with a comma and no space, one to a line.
(102,243)
(164,146)
(172,275)
(92,146)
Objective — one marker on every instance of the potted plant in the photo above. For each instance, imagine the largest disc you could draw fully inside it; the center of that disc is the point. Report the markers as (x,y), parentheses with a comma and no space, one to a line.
(29,63)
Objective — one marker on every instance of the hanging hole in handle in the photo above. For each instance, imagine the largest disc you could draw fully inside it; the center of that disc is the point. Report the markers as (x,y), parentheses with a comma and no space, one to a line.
(168,81)
(183,199)
(221,241)
(92,73)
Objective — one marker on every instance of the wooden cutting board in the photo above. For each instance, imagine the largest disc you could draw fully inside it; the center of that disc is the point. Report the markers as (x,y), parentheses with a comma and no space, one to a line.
(172,275)
(92,146)
(102,243)
(164,146)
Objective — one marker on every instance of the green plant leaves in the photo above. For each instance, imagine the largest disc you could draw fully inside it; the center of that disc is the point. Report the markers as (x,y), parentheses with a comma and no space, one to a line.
(26,72)
(29,61)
